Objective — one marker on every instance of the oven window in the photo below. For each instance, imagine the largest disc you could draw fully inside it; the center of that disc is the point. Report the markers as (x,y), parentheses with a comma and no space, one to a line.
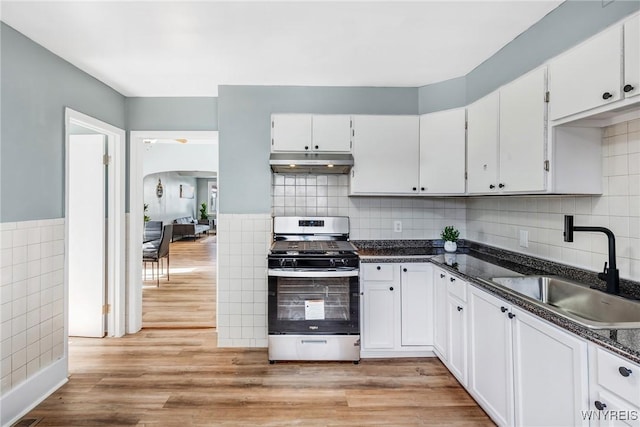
(313,298)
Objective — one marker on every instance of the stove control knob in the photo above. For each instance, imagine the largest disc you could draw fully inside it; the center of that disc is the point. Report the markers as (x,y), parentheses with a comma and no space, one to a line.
(345,261)
(282,261)
(332,262)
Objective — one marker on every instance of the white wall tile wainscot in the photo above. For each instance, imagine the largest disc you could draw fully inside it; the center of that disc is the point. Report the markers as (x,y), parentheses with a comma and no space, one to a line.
(498,221)
(371,218)
(243,243)
(32,299)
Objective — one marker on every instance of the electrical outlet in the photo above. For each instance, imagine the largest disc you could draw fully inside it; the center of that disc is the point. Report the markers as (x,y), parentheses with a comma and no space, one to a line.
(524,239)
(397,226)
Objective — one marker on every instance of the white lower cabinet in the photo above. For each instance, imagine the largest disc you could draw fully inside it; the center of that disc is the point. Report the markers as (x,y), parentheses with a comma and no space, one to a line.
(396,309)
(524,371)
(614,389)
(450,332)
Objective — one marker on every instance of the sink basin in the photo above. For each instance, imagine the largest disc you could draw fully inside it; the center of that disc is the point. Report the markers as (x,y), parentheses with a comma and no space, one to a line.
(589,307)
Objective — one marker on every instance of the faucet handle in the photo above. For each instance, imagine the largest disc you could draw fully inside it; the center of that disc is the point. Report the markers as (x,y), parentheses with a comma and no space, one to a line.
(605,269)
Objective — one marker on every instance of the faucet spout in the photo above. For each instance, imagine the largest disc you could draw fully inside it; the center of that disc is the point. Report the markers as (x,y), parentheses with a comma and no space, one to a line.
(610,274)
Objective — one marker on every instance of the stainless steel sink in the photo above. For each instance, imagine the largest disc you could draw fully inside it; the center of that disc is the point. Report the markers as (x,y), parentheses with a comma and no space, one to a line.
(589,307)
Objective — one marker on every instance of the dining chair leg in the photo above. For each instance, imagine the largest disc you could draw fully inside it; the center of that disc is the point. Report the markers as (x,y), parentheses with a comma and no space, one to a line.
(167,267)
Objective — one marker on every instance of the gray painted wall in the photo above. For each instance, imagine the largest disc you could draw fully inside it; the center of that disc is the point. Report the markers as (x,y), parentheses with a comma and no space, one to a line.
(191,113)
(244,114)
(564,27)
(36,86)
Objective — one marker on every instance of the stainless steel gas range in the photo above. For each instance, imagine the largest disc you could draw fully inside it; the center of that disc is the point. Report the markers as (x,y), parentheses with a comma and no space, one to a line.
(314,295)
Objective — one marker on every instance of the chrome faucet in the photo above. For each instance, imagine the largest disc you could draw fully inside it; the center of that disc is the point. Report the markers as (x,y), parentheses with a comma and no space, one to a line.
(610,274)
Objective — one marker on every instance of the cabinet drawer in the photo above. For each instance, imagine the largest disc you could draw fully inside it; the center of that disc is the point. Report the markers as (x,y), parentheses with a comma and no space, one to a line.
(457,287)
(379,272)
(611,375)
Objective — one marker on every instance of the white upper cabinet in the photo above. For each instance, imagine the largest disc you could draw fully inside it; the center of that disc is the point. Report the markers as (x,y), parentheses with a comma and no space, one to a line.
(291,132)
(587,76)
(631,81)
(331,132)
(386,157)
(306,132)
(442,152)
(522,139)
(482,145)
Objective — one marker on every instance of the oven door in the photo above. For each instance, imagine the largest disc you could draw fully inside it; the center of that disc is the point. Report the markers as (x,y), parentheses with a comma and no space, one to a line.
(313,302)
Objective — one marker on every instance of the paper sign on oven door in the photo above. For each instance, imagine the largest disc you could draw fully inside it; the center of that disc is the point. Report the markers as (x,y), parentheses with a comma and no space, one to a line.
(314,309)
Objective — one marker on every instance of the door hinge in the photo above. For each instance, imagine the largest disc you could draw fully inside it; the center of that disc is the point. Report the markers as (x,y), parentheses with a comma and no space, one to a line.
(465,175)
(106,309)
(106,159)
(350,123)
(466,125)
(271,141)
(546,165)
(353,132)
(547,96)
(272,124)
(351,144)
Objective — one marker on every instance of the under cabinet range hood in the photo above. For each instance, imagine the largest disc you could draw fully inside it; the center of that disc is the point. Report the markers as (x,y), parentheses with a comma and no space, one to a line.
(320,163)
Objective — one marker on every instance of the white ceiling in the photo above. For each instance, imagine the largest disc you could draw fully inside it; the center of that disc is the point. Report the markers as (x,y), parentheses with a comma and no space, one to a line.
(171,48)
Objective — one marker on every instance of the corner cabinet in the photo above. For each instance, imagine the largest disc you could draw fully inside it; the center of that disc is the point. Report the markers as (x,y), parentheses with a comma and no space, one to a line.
(482,144)
(396,309)
(385,152)
(523,370)
(310,133)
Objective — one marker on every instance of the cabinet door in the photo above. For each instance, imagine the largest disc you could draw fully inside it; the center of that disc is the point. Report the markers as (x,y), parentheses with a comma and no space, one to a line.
(385,151)
(332,133)
(550,374)
(291,132)
(490,358)
(631,82)
(583,77)
(442,152)
(416,281)
(457,351)
(440,331)
(522,133)
(482,145)
(380,314)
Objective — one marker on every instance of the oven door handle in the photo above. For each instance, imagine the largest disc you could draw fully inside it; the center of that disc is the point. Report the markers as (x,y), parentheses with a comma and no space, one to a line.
(273,272)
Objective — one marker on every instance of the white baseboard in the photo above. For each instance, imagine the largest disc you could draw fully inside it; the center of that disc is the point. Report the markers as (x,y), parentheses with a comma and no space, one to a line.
(29,394)
(377,354)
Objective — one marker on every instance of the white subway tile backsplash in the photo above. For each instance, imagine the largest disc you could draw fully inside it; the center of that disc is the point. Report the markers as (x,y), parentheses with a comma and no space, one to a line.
(618,209)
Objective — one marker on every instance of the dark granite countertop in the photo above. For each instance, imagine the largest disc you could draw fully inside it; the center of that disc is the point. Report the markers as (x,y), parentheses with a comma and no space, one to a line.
(474,262)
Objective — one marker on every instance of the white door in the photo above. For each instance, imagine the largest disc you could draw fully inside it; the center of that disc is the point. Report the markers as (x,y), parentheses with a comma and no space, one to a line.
(490,358)
(457,351)
(291,132)
(385,155)
(522,133)
(550,372)
(331,132)
(379,315)
(440,330)
(442,152)
(587,76)
(631,82)
(417,304)
(86,224)
(482,145)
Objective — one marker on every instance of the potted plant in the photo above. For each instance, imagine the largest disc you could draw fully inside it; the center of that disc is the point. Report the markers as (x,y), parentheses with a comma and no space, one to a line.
(203,212)
(147,218)
(450,236)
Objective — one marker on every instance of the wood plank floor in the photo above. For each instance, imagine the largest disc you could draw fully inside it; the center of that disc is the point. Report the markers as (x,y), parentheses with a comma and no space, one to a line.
(170,377)
(167,376)
(188,298)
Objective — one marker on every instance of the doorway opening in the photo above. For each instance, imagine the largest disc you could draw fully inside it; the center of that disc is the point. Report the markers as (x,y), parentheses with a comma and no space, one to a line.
(94,205)
(182,165)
